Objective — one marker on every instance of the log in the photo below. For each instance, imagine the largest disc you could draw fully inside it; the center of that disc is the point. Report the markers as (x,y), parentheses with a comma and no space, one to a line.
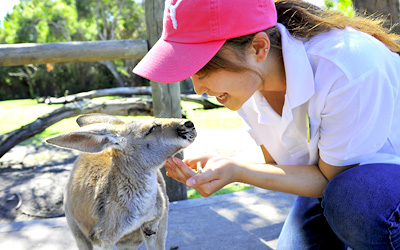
(200,100)
(122,91)
(125,107)
(126,91)
(40,53)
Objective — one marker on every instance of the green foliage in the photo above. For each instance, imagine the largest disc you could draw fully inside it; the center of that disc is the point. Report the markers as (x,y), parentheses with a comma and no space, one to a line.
(44,21)
(61,20)
(39,21)
(54,80)
(345,6)
(123,19)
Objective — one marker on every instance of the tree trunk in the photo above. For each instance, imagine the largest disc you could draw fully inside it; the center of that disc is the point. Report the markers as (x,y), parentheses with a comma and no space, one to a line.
(166,97)
(110,66)
(29,74)
(387,8)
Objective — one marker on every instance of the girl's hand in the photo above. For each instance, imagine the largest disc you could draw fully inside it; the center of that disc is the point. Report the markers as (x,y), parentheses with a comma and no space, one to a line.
(219,171)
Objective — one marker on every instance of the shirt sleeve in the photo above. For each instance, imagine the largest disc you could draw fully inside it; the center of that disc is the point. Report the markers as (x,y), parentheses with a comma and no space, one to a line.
(356,119)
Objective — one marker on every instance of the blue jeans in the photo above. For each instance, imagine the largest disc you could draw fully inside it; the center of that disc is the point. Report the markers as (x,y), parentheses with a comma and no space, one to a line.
(360,209)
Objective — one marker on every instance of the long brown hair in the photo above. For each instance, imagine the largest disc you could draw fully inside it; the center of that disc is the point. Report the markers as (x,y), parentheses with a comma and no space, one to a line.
(304,21)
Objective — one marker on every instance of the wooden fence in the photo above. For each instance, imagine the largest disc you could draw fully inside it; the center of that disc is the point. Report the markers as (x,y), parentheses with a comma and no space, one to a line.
(40,53)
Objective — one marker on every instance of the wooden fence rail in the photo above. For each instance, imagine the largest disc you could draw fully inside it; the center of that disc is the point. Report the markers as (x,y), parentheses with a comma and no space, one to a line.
(40,53)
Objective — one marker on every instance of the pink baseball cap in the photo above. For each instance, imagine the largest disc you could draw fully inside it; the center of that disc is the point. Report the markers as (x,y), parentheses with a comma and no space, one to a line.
(195,30)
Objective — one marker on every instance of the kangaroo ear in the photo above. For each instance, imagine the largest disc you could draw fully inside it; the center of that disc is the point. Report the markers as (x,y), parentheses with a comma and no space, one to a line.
(88,119)
(92,139)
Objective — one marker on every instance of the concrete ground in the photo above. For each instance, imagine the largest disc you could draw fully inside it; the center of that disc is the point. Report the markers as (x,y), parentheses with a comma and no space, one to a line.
(250,219)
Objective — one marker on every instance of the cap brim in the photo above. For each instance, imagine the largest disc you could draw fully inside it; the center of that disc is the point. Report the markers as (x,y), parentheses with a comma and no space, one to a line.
(173,62)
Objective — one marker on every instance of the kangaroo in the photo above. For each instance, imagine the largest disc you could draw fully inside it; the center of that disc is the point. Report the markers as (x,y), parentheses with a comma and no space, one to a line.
(115,197)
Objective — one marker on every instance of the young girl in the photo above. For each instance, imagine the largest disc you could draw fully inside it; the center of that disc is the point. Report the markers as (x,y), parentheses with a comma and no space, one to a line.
(319,92)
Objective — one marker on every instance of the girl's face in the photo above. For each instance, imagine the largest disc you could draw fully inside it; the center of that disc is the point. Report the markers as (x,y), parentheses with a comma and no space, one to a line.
(233,89)
(230,88)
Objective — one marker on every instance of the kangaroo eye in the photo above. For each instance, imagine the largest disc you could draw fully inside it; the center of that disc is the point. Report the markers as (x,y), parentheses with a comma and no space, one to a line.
(152,129)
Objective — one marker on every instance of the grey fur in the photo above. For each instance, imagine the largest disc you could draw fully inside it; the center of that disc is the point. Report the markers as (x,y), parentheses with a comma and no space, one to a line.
(116,197)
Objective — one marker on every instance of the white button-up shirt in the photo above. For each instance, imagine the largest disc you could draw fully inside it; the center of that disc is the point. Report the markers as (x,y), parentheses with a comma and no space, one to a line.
(342,90)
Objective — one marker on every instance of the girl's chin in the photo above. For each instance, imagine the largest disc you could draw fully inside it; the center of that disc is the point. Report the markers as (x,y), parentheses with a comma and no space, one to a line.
(233,108)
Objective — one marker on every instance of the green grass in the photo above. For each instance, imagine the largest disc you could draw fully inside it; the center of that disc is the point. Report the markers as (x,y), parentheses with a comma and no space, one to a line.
(16,113)
(221,118)
(234,187)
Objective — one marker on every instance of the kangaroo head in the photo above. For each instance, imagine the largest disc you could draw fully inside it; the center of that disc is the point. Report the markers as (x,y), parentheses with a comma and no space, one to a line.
(148,142)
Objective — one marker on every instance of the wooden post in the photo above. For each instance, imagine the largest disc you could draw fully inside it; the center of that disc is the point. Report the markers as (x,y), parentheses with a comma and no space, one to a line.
(40,53)
(166,97)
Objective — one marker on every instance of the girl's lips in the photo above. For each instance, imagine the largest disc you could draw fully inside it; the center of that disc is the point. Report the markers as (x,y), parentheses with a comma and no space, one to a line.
(222,98)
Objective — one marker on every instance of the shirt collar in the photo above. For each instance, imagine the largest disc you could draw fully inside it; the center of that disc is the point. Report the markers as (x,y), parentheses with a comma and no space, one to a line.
(299,73)
(267,115)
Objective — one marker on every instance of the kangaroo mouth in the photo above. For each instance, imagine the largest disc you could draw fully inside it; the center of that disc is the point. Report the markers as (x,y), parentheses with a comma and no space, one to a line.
(190,135)
(187,131)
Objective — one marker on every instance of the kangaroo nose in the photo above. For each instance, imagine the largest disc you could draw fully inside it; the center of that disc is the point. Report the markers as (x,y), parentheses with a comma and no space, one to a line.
(187,130)
(189,124)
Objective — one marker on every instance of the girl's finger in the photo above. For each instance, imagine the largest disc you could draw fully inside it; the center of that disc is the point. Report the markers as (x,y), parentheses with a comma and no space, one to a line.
(178,170)
(193,162)
(174,172)
(200,179)
(205,185)
(185,169)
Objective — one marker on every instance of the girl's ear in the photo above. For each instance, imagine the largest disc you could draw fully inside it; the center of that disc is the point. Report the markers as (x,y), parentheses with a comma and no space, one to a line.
(261,45)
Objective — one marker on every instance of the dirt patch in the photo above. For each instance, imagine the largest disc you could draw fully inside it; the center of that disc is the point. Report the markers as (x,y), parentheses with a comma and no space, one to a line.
(32,181)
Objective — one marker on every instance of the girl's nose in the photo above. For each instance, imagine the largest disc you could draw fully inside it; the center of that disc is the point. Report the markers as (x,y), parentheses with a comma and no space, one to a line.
(198,88)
